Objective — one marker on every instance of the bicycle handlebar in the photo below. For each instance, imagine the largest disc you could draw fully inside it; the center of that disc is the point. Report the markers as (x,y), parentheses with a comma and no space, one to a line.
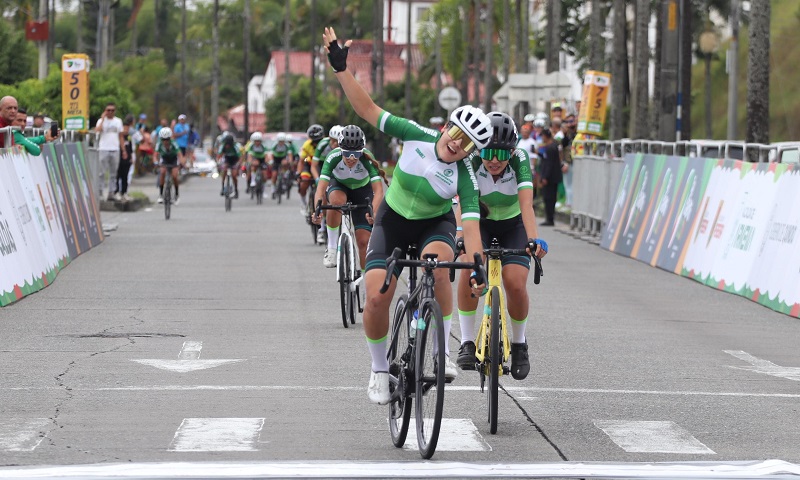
(429,263)
(538,271)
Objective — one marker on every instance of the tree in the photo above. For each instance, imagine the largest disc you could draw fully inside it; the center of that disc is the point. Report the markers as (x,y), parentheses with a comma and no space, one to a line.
(641,97)
(758,73)
(16,55)
(619,71)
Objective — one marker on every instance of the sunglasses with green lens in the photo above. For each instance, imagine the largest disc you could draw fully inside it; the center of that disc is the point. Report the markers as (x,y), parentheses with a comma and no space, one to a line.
(490,153)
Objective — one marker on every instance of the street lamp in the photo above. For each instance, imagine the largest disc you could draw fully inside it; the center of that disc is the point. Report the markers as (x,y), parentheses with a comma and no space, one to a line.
(709,43)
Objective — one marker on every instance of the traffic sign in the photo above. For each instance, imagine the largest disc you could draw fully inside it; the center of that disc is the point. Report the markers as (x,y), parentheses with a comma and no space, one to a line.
(449,98)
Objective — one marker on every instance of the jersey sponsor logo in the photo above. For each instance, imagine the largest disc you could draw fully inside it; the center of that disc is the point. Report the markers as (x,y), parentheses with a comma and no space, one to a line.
(448,172)
(419,152)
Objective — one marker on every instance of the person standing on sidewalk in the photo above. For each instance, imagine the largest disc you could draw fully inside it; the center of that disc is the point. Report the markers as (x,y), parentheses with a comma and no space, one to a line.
(126,155)
(550,167)
(181,133)
(109,126)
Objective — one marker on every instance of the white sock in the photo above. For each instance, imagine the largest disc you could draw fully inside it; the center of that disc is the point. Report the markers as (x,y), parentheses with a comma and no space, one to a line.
(377,348)
(333,238)
(518,330)
(448,322)
(467,322)
(303,201)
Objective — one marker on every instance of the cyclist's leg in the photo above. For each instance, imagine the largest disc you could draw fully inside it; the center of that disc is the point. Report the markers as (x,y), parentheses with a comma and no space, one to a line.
(361,196)
(175,181)
(161,174)
(234,172)
(336,195)
(224,170)
(250,170)
(515,279)
(467,304)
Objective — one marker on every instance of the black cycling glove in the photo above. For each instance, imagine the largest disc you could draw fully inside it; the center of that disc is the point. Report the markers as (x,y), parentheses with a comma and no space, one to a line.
(337,56)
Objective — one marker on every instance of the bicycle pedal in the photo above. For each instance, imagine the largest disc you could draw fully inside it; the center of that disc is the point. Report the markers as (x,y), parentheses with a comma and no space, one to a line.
(506,370)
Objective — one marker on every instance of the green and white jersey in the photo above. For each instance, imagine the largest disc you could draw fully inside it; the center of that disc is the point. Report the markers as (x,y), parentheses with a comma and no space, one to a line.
(257,150)
(323,149)
(361,174)
(280,151)
(168,154)
(423,186)
(502,196)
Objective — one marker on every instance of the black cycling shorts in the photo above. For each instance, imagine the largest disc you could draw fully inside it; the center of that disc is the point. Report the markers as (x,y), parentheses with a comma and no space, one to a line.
(391,230)
(231,161)
(276,163)
(359,196)
(511,234)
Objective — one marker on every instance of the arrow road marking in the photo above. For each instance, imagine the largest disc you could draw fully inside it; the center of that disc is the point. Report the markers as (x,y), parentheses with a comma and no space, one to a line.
(765,367)
(188,360)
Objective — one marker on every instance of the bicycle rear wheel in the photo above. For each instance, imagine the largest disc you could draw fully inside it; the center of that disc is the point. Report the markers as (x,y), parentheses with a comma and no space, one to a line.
(494,360)
(399,356)
(228,192)
(429,377)
(167,197)
(343,258)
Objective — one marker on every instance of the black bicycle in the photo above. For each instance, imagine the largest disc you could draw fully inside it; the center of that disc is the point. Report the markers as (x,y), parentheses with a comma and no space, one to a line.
(167,193)
(310,209)
(257,191)
(229,191)
(416,351)
(284,185)
(348,268)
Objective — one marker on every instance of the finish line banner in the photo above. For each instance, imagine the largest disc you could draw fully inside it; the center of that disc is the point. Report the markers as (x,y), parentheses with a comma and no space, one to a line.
(46,219)
(729,224)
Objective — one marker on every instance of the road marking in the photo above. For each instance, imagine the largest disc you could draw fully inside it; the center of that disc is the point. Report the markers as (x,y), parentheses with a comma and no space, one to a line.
(652,437)
(188,360)
(22,435)
(217,435)
(524,390)
(414,469)
(455,435)
(765,367)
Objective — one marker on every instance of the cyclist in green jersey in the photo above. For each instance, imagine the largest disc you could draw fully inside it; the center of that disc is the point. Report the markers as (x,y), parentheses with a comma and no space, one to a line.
(324,147)
(282,153)
(417,207)
(229,153)
(350,173)
(256,153)
(506,191)
(169,157)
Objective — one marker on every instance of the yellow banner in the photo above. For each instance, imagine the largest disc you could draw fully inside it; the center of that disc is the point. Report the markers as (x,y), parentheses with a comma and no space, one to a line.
(592,116)
(75,91)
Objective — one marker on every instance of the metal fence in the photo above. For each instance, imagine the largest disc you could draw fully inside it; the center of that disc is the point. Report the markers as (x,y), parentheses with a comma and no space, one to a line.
(597,169)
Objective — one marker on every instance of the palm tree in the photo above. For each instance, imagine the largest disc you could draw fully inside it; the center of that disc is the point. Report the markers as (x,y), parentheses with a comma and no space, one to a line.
(641,95)
(758,73)
(619,71)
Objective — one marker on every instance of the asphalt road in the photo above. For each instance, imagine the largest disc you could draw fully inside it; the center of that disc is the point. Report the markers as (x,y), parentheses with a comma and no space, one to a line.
(630,364)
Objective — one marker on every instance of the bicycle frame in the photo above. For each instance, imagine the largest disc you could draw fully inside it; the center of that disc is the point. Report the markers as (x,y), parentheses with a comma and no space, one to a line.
(494,272)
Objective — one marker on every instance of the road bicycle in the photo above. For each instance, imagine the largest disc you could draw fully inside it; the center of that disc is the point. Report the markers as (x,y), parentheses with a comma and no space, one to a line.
(348,268)
(257,191)
(284,185)
(167,193)
(416,350)
(310,209)
(228,189)
(492,345)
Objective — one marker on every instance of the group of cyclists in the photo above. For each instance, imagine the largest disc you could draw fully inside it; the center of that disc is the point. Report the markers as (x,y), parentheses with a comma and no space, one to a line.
(469,181)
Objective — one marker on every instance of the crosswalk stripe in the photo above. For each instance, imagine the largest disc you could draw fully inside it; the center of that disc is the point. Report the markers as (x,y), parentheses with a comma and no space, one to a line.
(455,435)
(21,435)
(652,437)
(217,435)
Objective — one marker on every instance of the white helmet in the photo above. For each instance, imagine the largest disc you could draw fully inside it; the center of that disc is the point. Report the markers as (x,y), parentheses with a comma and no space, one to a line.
(255,137)
(529,118)
(335,132)
(542,115)
(539,122)
(472,121)
(280,137)
(165,133)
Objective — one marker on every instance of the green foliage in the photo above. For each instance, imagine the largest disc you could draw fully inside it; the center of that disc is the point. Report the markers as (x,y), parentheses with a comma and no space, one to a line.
(143,76)
(17,55)
(327,106)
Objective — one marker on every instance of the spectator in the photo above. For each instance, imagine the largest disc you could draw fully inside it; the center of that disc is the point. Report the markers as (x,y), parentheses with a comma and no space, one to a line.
(109,126)
(556,111)
(192,143)
(164,123)
(437,123)
(141,123)
(8,115)
(568,129)
(145,153)
(526,140)
(31,146)
(181,134)
(38,120)
(550,166)
(126,156)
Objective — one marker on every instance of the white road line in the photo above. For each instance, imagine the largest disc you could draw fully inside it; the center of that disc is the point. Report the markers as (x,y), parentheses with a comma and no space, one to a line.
(764,367)
(652,437)
(455,435)
(217,435)
(190,351)
(21,435)
(524,390)
(685,470)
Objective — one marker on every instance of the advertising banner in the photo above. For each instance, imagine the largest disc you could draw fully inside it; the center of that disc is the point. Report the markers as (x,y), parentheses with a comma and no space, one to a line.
(60,197)
(647,187)
(75,156)
(662,204)
(592,116)
(75,91)
(621,201)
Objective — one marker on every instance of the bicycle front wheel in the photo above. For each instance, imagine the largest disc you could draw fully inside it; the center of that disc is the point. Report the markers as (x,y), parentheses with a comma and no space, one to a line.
(343,257)
(228,193)
(429,377)
(494,365)
(167,199)
(399,356)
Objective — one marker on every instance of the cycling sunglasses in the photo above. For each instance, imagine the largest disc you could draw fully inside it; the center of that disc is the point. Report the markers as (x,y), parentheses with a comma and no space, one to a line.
(455,133)
(489,154)
(352,153)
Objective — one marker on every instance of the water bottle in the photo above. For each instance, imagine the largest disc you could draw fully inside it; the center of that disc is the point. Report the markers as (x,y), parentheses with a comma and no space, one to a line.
(414,317)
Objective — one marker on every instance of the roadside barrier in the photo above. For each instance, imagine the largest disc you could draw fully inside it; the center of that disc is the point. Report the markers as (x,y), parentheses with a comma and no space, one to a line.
(48,216)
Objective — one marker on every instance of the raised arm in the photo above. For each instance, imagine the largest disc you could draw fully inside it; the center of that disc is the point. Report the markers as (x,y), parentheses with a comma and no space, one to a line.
(359,98)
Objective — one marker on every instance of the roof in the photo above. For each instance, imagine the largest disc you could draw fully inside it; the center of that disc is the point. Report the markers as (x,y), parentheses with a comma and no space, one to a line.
(234,117)
(299,63)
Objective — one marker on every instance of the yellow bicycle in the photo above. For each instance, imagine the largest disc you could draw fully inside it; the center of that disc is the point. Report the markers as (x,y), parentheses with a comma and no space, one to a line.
(492,345)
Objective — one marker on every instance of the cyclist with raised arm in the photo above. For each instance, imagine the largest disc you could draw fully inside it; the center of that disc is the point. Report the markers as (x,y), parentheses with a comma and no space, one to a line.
(281,154)
(506,192)
(349,174)
(315,134)
(229,154)
(417,207)
(256,153)
(167,156)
